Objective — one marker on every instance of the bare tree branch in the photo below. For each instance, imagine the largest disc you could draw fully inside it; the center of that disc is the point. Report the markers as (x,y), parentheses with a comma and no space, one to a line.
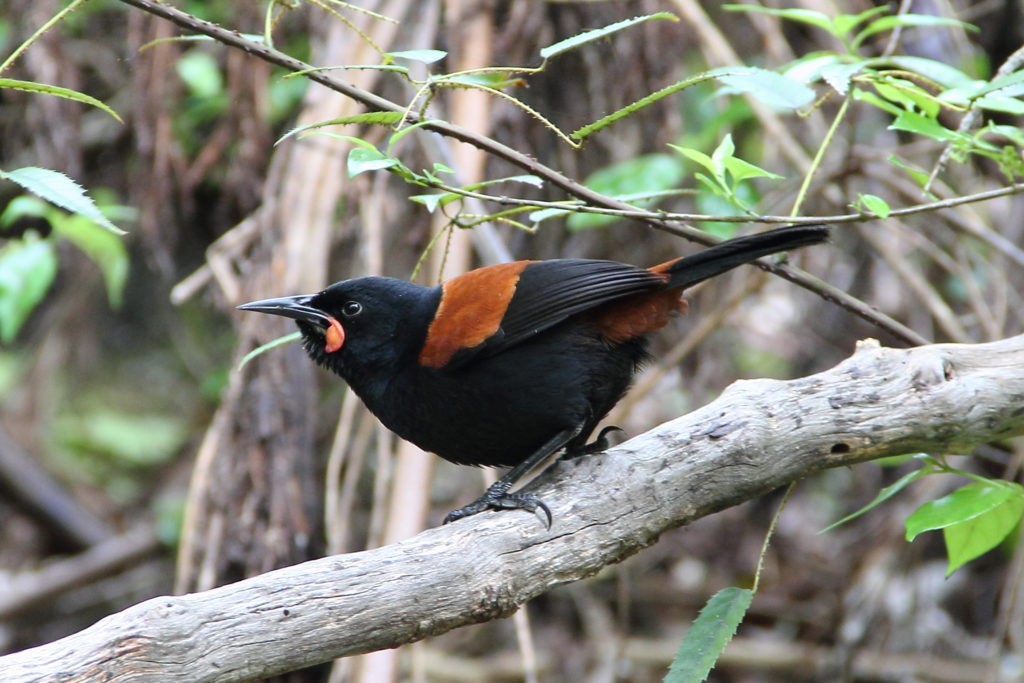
(520,159)
(757,436)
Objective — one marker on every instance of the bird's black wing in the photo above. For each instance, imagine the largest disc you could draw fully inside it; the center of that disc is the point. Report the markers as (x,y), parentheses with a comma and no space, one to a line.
(549,292)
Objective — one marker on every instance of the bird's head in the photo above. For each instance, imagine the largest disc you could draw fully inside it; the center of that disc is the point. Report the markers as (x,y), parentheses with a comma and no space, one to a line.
(359,327)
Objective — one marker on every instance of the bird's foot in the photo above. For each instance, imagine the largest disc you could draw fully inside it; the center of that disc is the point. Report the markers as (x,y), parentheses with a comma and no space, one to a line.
(598,445)
(497,497)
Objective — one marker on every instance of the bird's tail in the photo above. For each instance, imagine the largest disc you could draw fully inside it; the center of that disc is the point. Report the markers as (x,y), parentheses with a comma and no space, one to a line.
(689,270)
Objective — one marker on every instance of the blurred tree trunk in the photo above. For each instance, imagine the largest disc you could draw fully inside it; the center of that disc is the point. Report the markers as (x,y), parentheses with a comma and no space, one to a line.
(256,498)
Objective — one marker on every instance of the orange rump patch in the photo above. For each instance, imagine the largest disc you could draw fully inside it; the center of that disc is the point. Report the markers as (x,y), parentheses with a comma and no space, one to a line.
(639,314)
(471,309)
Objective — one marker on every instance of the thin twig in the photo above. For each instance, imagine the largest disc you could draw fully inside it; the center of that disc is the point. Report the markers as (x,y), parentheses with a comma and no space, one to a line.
(524,161)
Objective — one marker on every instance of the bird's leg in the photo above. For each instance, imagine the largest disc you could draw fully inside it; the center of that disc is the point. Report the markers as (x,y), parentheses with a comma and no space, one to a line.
(497,497)
(598,445)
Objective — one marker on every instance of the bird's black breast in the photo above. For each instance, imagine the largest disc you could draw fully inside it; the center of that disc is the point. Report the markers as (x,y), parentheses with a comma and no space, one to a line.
(499,409)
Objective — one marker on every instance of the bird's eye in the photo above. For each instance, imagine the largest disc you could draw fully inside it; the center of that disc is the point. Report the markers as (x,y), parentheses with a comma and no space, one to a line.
(351,309)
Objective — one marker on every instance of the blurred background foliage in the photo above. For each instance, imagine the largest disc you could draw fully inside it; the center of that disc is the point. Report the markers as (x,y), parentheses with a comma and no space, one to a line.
(126,362)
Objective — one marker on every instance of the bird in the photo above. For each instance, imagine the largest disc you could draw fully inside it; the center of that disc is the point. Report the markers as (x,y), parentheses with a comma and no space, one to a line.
(505,365)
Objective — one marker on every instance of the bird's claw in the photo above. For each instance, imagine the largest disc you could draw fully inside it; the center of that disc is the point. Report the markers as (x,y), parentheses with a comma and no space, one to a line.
(598,445)
(493,500)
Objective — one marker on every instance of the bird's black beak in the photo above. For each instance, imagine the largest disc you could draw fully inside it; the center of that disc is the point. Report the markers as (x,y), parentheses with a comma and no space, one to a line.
(295,307)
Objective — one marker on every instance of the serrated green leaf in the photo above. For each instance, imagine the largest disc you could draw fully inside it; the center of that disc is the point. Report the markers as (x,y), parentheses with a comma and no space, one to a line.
(874,204)
(774,89)
(605,121)
(882,496)
(104,248)
(976,536)
(27,269)
(707,637)
(967,502)
(424,56)
(56,91)
(598,33)
(61,190)
(380,118)
(362,159)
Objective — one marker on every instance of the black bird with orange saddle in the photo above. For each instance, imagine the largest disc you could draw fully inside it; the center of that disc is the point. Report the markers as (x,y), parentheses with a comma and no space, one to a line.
(507,364)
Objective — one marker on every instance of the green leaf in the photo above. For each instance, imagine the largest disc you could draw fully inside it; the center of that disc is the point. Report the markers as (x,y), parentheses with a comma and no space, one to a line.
(890,22)
(803,16)
(434,200)
(909,96)
(647,173)
(697,156)
(774,89)
(845,23)
(56,91)
(839,76)
(707,637)
(967,502)
(741,170)
(104,248)
(919,176)
(940,72)
(380,118)
(201,73)
(1012,133)
(976,536)
(874,100)
(598,33)
(1006,105)
(912,122)
(398,135)
(424,56)
(496,81)
(134,440)
(605,121)
(874,204)
(883,495)
(27,269)
(61,190)
(362,159)
(260,350)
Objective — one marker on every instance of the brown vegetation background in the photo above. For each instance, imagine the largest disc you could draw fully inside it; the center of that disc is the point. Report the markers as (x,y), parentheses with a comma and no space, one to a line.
(238,472)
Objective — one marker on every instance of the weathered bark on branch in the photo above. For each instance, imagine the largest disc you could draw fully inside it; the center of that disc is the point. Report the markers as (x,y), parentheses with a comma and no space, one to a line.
(757,436)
